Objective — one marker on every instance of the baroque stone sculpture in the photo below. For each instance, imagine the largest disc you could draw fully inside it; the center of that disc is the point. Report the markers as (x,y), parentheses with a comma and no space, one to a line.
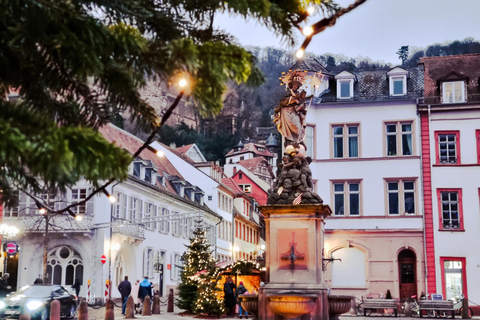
(294,178)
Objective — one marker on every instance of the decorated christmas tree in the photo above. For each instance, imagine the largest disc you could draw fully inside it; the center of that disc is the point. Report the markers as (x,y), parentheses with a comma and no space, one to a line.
(210,297)
(198,267)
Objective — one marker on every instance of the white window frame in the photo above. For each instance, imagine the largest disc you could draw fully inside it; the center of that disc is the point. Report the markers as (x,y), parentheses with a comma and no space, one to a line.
(346,139)
(120,206)
(401,193)
(150,212)
(164,225)
(339,88)
(310,141)
(135,208)
(77,196)
(399,136)
(148,257)
(347,193)
(176,224)
(393,79)
(445,99)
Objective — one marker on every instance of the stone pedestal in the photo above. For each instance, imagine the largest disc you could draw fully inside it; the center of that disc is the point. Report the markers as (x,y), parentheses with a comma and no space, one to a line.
(295,285)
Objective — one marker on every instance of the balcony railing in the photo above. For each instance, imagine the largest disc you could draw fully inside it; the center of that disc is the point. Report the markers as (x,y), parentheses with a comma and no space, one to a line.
(57,223)
(473,97)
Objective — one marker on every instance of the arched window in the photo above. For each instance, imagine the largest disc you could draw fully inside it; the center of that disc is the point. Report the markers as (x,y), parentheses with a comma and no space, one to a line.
(350,272)
(64,265)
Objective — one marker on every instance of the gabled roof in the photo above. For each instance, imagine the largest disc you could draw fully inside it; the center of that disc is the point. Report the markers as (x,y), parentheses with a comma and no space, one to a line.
(184,150)
(131,143)
(232,185)
(251,147)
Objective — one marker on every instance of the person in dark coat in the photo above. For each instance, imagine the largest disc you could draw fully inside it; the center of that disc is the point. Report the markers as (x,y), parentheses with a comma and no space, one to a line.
(4,287)
(145,289)
(229,298)
(76,286)
(125,288)
(241,290)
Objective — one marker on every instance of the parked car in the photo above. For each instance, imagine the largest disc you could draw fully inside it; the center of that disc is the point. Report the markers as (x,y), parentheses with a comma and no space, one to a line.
(36,300)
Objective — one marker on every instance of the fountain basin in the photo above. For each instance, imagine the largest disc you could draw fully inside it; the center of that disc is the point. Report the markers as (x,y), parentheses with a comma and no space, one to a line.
(249,303)
(290,306)
(338,305)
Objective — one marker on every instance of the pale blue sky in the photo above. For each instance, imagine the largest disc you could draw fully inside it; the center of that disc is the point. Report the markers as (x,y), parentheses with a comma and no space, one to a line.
(377,28)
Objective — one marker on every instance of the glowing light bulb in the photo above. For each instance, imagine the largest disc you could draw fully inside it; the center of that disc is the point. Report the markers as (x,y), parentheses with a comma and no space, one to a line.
(310,10)
(299,54)
(307,31)
(182,83)
(79,217)
(42,210)
(112,199)
(160,153)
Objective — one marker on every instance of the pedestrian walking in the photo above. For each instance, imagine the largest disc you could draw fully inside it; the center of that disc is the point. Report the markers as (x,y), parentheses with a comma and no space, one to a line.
(134,294)
(76,286)
(145,289)
(229,298)
(125,288)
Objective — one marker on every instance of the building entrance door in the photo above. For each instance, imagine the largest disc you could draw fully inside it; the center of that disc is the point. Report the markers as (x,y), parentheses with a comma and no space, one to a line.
(407,273)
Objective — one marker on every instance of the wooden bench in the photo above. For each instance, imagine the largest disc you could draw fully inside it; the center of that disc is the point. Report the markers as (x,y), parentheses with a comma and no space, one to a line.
(437,305)
(380,304)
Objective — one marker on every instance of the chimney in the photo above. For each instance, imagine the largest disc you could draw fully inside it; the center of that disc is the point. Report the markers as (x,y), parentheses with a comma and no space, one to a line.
(234,170)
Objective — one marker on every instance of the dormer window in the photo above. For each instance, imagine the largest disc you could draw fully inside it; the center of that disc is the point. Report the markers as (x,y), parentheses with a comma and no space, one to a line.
(453,92)
(398,81)
(345,81)
(137,166)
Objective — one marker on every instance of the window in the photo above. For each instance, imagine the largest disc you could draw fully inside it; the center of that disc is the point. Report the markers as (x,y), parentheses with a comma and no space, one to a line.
(240,175)
(150,212)
(177,266)
(401,197)
(135,208)
(120,206)
(450,209)
(64,265)
(346,198)
(176,224)
(247,188)
(77,196)
(136,169)
(148,262)
(454,280)
(209,198)
(448,147)
(453,92)
(184,226)
(345,85)
(345,139)
(399,138)
(165,222)
(310,140)
(10,212)
(397,78)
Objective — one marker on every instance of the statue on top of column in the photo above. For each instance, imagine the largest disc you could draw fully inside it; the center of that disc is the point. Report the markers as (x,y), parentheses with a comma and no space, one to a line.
(294,181)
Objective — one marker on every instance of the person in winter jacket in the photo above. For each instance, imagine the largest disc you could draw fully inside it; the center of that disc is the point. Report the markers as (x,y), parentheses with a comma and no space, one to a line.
(229,298)
(145,289)
(125,287)
(241,290)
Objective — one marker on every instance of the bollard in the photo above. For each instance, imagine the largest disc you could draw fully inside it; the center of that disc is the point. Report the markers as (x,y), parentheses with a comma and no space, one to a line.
(109,313)
(55,310)
(465,310)
(408,308)
(130,310)
(146,307)
(156,305)
(170,301)
(83,311)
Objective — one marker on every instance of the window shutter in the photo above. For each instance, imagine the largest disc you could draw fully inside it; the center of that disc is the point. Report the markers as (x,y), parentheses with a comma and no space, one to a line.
(172,266)
(145,262)
(90,204)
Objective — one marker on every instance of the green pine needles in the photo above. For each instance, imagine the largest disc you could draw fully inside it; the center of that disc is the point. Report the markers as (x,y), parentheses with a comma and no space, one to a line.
(198,280)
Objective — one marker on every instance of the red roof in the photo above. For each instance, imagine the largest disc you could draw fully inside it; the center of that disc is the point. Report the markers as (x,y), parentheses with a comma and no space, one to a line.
(232,185)
(131,143)
(184,149)
(251,147)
